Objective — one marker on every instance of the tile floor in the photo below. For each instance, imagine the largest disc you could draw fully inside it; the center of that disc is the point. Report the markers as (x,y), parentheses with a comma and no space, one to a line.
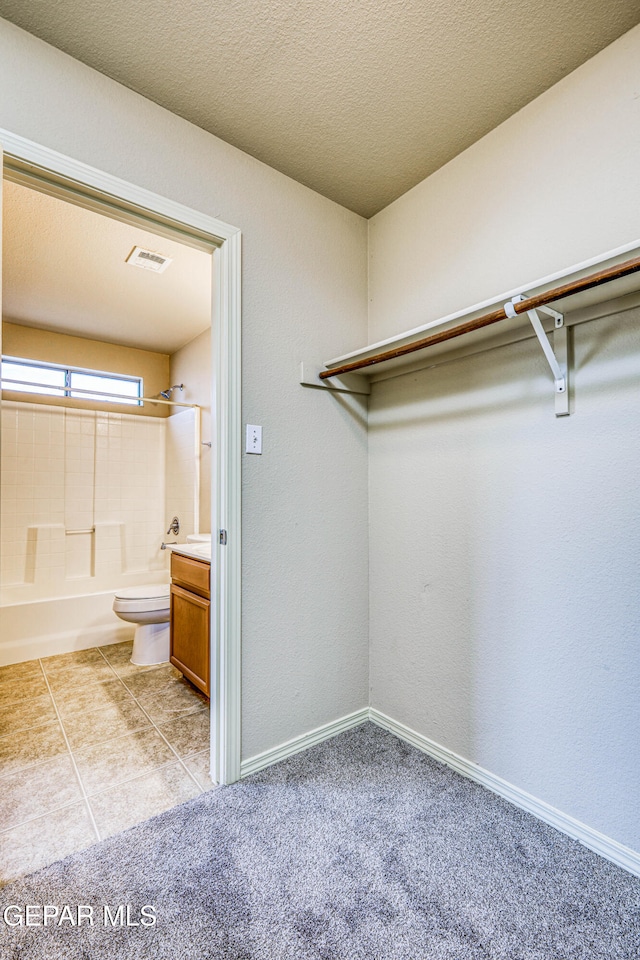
(90,745)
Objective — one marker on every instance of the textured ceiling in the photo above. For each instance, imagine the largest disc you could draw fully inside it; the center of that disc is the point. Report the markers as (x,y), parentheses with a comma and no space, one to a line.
(358,99)
(63,269)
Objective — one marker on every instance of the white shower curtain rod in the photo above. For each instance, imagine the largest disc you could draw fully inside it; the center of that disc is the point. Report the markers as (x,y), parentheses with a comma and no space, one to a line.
(89,395)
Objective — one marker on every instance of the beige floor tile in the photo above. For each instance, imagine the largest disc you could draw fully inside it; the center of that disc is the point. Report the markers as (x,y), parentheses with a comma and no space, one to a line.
(19,751)
(58,834)
(28,670)
(128,669)
(62,661)
(151,681)
(199,765)
(24,689)
(79,674)
(117,652)
(189,733)
(98,726)
(119,657)
(130,803)
(25,714)
(89,697)
(105,764)
(38,790)
(173,700)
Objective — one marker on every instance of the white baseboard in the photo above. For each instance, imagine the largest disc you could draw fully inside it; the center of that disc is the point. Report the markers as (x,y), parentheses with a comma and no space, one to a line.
(306,740)
(620,855)
(610,849)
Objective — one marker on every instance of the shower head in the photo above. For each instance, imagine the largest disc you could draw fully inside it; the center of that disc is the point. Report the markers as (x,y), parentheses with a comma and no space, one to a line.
(167,393)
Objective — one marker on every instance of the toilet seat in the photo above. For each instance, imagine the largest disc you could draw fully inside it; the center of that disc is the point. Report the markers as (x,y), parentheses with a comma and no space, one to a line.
(145,598)
(145,591)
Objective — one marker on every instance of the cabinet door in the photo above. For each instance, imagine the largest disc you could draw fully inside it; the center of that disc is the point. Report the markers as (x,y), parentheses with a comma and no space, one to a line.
(190,636)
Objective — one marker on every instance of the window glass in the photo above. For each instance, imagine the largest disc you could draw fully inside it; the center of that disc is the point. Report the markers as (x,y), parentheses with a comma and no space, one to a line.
(82,385)
(54,381)
(33,378)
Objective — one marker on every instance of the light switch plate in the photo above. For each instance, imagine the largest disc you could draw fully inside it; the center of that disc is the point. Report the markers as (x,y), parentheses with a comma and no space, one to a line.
(254,439)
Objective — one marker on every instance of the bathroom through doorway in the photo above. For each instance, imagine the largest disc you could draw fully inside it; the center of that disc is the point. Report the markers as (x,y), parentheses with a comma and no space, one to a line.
(181,232)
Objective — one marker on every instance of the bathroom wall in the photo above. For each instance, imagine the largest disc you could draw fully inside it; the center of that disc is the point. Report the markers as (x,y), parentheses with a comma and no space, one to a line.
(32,343)
(191,365)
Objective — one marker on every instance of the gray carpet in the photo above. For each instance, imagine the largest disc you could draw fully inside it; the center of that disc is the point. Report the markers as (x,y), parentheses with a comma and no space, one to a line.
(360,849)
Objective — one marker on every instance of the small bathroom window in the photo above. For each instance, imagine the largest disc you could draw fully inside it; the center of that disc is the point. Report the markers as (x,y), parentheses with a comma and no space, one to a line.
(52,380)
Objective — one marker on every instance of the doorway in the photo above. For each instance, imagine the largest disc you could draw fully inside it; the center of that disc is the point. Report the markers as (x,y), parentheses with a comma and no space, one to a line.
(28,164)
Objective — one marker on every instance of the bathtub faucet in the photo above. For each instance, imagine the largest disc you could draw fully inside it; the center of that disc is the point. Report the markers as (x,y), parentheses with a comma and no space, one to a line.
(174,527)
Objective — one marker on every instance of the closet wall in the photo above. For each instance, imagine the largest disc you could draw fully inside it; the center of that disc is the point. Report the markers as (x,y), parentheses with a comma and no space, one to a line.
(504,562)
(553,186)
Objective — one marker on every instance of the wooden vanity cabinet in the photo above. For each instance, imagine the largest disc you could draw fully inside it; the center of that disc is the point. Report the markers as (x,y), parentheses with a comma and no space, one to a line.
(190,619)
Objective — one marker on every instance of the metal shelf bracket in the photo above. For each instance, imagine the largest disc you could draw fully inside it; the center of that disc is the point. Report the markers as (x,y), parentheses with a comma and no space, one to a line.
(557,356)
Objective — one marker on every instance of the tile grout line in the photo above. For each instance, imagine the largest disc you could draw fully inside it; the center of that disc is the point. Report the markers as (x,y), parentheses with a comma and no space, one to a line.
(29,766)
(35,726)
(41,816)
(85,795)
(131,696)
(154,725)
(105,743)
(24,730)
(173,750)
(138,776)
(73,759)
(158,730)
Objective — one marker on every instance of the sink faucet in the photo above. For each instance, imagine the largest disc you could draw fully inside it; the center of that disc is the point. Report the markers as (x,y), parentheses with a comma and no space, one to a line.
(174,527)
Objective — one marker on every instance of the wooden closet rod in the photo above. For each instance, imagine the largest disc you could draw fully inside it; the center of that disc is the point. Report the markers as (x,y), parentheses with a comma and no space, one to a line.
(556,293)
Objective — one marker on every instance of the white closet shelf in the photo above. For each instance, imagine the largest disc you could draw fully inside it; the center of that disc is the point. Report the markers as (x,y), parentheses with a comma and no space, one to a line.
(618,293)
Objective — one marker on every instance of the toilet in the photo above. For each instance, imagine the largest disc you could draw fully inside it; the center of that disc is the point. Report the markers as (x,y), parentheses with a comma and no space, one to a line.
(148,607)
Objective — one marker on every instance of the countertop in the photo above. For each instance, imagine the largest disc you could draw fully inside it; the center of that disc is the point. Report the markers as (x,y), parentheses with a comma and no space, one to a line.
(197,551)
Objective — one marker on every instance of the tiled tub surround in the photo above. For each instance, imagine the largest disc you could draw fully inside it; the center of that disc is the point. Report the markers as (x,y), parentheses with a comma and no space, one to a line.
(64,473)
(90,745)
(84,502)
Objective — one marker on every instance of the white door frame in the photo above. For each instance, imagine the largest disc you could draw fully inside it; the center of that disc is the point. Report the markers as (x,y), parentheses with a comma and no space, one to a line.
(226,321)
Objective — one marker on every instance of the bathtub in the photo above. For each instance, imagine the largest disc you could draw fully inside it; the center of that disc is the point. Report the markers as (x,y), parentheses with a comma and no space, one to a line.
(42,628)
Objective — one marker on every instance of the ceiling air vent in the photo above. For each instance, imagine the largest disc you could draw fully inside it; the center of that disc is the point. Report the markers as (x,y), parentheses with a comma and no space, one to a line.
(148,260)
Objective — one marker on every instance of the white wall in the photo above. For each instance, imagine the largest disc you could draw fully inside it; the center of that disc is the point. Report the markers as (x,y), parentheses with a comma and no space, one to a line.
(554,185)
(304,295)
(181,468)
(504,542)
